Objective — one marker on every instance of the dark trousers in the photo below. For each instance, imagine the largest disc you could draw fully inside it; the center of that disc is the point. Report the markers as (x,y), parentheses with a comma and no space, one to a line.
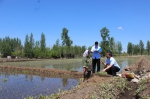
(112,70)
(94,63)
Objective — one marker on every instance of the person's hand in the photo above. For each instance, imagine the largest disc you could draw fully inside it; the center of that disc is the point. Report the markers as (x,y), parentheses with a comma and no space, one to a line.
(103,70)
(102,62)
(96,51)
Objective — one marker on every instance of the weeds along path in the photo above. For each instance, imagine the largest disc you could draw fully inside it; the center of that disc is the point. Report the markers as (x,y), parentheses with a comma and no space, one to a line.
(47,72)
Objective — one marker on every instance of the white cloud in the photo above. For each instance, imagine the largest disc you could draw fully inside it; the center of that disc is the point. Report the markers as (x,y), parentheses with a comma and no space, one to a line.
(120,28)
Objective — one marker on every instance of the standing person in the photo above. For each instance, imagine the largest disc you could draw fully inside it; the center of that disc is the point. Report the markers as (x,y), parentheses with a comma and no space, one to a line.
(111,66)
(96,50)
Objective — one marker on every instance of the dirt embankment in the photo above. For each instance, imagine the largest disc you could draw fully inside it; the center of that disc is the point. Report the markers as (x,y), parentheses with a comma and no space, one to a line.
(140,65)
(112,87)
(47,72)
(18,60)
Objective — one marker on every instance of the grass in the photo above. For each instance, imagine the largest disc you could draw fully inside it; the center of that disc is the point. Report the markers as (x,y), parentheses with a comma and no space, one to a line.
(142,85)
(5,80)
(101,73)
(24,71)
(107,90)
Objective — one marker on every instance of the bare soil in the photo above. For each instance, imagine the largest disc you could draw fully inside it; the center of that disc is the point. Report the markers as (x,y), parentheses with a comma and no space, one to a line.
(47,72)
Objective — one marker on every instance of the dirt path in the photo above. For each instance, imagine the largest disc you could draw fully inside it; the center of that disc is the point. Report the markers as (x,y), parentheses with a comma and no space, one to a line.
(47,72)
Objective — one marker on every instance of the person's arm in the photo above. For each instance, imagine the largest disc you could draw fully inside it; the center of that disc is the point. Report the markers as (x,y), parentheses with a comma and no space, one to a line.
(107,67)
(111,64)
(100,50)
(103,63)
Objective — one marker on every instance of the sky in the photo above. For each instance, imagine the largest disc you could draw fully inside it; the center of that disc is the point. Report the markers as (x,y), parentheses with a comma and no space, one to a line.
(127,20)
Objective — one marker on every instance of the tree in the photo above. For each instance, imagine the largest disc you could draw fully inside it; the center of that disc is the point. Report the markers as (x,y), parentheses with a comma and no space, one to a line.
(119,47)
(36,49)
(136,49)
(141,46)
(56,50)
(28,46)
(104,32)
(148,47)
(31,41)
(129,48)
(42,42)
(65,38)
(6,49)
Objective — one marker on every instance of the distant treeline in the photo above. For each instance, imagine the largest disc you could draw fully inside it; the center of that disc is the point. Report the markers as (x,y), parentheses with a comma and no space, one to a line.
(37,49)
(138,49)
(64,49)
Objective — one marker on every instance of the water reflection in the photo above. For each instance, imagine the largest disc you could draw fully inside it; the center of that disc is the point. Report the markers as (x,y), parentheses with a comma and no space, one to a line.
(123,62)
(64,82)
(20,86)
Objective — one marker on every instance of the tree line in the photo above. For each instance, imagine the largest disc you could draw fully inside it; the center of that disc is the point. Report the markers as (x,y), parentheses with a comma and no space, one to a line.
(37,49)
(64,49)
(138,49)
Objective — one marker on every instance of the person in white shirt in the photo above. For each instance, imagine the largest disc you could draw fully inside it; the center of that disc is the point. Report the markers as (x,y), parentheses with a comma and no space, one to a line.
(96,50)
(111,66)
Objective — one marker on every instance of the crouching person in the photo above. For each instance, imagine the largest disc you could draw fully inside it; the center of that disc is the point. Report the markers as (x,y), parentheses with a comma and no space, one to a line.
(87,65)
(111,66)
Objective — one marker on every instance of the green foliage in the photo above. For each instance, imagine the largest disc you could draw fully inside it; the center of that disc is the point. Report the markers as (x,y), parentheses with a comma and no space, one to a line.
(42,43)
(107,90)
(36,50)
(30,97)
(104,32)
(129,48)
(148,47)
(28,46)
(141,46)
(136,49)
(5,80)
(112,45)
(141,87)
(65,38)
(101,73)
(9,46)
(119,47)
(41,97)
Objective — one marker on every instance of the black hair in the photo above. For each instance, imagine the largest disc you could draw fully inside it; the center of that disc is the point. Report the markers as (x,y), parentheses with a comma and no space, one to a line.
(96,42)
(110,53)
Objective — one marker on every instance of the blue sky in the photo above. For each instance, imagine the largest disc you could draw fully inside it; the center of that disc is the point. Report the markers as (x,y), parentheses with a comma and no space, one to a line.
(127,20)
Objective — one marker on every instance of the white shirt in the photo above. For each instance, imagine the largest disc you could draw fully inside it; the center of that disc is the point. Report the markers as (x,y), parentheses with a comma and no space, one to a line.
(85,53)
(96,54)
(112,61)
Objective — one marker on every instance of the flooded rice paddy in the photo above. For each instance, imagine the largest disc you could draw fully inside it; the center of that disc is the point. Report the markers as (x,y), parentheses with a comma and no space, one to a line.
(19,86)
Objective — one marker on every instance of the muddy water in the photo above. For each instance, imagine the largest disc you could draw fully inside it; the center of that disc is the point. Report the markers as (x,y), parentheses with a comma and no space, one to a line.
(19,86)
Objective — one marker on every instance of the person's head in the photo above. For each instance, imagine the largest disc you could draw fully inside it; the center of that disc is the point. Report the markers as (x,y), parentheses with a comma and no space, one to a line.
(109,54)
(96,43)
